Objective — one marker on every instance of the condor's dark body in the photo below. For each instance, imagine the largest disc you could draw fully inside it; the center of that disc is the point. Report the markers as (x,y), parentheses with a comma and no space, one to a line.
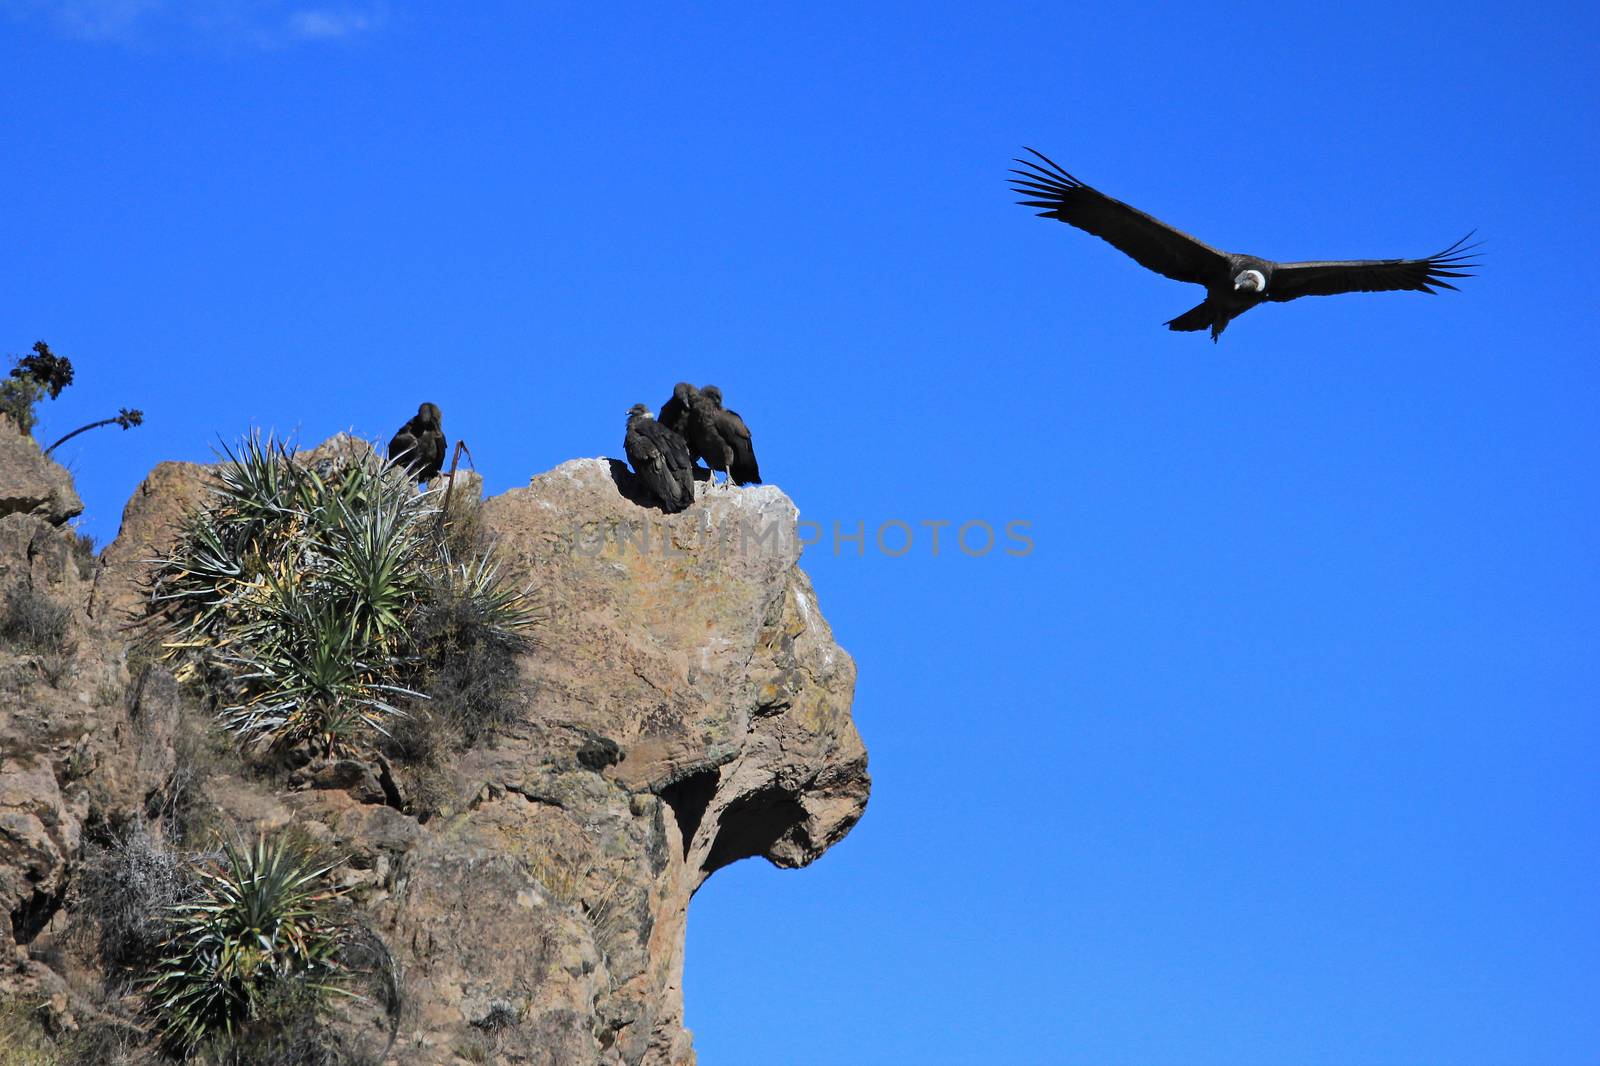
(1224,302)
(661,460)
(1233,283)
(420,443)
(721,438)
(675,413)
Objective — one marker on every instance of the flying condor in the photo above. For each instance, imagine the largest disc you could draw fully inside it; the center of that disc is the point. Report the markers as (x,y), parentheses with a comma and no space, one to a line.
(419,445)
(660,458)
(1234,283)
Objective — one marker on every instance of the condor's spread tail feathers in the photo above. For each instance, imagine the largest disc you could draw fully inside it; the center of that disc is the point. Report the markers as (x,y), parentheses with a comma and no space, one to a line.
(1196,318)
(1205,315)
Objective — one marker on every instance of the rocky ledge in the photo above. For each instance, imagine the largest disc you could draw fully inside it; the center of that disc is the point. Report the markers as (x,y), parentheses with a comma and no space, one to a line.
(687,708)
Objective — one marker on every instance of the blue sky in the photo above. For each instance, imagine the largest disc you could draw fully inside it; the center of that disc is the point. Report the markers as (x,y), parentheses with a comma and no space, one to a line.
(1280,745)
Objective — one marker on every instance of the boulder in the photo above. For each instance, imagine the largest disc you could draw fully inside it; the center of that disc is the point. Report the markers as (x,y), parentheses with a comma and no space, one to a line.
(30,483)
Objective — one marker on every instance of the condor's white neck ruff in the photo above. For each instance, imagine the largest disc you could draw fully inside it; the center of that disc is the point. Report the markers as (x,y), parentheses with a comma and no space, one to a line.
(1251,279)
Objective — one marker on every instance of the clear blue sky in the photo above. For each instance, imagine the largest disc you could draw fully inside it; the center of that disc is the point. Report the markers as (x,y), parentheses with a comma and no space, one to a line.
(1279,748)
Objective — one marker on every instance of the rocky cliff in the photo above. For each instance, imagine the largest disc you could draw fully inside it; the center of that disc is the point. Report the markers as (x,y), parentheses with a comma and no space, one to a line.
(686,707)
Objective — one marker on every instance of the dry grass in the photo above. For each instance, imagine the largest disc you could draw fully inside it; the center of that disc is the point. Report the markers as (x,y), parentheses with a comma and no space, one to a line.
(83,553)
(23,1039)
(125,888)
(31,622)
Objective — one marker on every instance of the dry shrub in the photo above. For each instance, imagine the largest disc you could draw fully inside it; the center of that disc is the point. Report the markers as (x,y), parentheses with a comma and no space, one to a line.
(32,621)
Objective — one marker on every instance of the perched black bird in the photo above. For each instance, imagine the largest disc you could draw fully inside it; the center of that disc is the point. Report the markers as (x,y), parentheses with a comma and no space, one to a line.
(420,444)
(722,438)
(1234,283)
(675,412)
(661,460)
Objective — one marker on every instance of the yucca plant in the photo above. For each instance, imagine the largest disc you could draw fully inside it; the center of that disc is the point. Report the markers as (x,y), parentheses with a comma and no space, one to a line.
(469,634)
(260,921)
(378,564)
(301,591)
(495,603)
(211,584)
(257,487)
(308,677)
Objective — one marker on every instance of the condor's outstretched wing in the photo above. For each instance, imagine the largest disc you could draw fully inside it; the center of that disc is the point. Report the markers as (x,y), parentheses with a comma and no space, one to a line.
(1152,243)
(1290,281)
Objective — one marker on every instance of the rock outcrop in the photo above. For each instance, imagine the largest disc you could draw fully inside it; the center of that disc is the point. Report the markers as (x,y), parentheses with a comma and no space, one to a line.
(30,484)
(687,707)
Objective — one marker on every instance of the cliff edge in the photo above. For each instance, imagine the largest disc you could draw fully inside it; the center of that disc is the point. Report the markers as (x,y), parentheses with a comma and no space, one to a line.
(685,706)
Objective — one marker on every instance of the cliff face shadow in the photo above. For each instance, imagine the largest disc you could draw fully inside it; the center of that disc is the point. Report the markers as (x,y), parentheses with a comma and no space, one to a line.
(752,824)
(629,487)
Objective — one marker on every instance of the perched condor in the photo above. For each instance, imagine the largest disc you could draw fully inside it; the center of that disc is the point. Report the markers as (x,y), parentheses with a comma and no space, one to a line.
(420,444)
(722,438)
(1234,283)
(661,460)
(675,412)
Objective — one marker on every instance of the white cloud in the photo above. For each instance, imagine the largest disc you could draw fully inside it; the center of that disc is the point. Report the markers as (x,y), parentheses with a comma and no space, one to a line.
(325,23)
(261,23)
(94,20)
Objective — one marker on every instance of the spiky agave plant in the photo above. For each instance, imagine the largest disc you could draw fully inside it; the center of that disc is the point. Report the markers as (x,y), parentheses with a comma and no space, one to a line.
(213,582)
(469,633)
(289,589)
(378,563)
(261,920)
(301,590)
(497,604)
(306,674)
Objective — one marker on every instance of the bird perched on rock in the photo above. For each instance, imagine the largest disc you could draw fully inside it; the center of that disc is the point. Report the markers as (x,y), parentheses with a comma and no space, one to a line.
(419,446)
(675,412)
(661,460)
(722,438)
(1234,283)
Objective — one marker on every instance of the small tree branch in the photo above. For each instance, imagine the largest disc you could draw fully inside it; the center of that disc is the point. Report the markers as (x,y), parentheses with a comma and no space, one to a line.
(125,418)
(450,482)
